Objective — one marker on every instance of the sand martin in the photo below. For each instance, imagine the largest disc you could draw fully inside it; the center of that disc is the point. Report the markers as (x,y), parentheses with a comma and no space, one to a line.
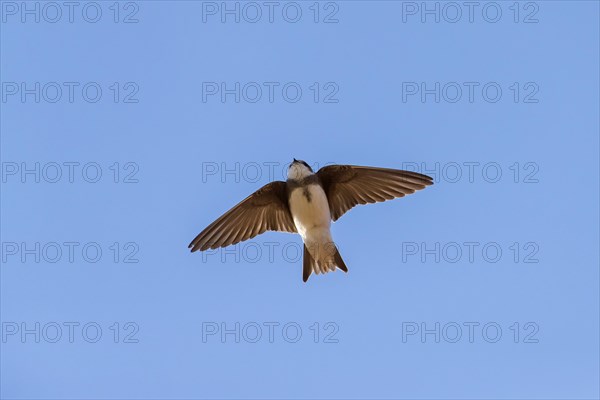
(306,204)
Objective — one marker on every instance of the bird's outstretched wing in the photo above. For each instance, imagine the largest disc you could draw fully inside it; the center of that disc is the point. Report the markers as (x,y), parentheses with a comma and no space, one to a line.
(264,210)
(349,185)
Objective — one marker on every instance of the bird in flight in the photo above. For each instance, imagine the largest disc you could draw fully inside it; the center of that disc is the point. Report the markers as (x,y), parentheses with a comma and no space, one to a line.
(306,204)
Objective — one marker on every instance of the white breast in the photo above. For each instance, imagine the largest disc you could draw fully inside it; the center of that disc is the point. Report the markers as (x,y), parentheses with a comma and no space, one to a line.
(310,215)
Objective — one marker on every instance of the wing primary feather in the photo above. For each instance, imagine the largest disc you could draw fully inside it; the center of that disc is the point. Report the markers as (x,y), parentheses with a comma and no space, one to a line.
(347,185)
(265,209)
(222,232)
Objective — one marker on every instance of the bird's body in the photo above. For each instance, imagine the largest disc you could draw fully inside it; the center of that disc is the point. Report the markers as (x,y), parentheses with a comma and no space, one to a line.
(310,212)
(306,204)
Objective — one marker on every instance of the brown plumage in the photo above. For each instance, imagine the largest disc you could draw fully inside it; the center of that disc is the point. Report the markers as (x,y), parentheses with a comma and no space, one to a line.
(268,209)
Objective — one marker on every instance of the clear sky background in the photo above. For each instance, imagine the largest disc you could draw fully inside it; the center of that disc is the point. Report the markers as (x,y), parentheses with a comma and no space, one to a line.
(522,323)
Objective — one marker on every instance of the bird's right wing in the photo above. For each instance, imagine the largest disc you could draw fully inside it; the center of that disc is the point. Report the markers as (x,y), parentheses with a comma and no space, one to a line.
(264,210)
(349,185)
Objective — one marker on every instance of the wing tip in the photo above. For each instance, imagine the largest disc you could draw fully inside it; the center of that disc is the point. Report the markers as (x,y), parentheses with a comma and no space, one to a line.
(427,180)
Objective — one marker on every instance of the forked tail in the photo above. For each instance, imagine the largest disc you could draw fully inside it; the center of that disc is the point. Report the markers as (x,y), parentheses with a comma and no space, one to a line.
(324,265)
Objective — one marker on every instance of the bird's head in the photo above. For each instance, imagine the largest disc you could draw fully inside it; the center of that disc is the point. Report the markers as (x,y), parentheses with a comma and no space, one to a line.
(298,170)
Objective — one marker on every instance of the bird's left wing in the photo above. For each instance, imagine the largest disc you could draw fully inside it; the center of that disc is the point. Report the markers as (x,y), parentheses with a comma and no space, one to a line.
(264,210)
(349,185)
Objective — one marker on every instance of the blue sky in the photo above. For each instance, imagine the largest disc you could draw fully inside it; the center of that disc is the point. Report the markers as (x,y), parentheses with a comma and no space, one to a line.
(126,129)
